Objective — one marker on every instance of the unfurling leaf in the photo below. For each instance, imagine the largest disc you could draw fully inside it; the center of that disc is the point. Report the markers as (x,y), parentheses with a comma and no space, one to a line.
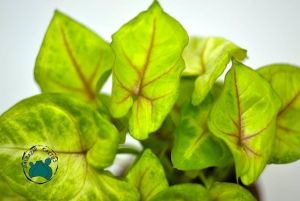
(244,117)
(148,176)
(206,59)
(72,59)
(183,192)
(195,147)
(147,70)
(77,134)
(230,192)
(285,80)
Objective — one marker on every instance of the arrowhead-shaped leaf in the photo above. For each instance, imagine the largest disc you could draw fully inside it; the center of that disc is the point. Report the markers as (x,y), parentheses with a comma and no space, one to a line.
(147,70)
(82,139)
(206,59)
(244,117)
(72,59)
(147,175)
(183,192)
(195,147)
(230,192)
(285,80)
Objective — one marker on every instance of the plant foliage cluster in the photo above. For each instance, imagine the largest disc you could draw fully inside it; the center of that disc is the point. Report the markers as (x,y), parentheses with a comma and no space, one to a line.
(197,133)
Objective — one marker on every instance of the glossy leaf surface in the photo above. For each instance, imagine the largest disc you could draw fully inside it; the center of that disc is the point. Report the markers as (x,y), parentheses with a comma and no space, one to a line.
(244,118)
(147,70)
(72,59)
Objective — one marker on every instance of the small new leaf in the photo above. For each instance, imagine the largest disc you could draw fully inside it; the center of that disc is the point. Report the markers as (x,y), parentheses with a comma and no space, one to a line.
(72,59)
(206,59)
(244,117)
(285,80)
(147,70)
(148,176)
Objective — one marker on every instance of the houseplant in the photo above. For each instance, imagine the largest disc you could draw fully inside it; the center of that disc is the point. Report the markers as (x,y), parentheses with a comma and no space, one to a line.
(195,131)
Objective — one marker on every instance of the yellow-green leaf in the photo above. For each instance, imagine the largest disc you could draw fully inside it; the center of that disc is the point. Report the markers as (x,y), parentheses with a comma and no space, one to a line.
(147,70)
(183,192)
(83,140)
(285,80)
(230,192)
(148,176)
(244,117)
(72,59)
(103,103)
(196,192)
(206,58)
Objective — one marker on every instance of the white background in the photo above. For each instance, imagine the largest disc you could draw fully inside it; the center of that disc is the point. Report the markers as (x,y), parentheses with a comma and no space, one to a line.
(268,29)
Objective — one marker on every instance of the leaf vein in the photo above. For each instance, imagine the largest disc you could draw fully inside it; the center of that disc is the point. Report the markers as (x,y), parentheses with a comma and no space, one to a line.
(88,89)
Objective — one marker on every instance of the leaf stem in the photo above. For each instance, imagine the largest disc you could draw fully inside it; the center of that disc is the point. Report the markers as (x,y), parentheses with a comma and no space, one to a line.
(128,150)
(206,181)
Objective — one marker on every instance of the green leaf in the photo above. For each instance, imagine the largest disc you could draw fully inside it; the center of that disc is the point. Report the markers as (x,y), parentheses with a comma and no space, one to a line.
(216,90)
(103,102)
(101,186)
(185,91)
(147,70)
(230,192)
(244,117)
(6,192)
(160,142)
(196,192)
(147,175)
(218,174)
(82,139)
(186,88)
(72,59)
(285,80)
(195,147)
(183,192)
(206,59)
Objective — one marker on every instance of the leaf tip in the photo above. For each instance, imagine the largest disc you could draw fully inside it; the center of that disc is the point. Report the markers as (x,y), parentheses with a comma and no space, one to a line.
(58,13)
(155,5)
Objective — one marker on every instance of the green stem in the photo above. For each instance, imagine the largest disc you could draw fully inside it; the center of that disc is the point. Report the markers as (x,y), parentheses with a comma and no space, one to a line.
(207,182)
(128,150)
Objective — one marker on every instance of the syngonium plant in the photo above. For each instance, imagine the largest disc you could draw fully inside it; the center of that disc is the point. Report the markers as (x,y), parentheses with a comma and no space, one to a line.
(202,139)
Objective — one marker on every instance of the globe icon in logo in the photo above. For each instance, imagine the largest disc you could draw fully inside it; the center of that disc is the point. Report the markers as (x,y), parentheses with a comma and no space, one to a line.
(40,164)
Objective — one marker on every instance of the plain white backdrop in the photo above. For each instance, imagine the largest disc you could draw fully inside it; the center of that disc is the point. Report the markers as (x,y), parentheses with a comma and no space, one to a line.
(268,29)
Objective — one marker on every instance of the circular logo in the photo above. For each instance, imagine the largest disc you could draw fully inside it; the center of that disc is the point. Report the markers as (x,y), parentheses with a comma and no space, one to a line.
(39,164)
